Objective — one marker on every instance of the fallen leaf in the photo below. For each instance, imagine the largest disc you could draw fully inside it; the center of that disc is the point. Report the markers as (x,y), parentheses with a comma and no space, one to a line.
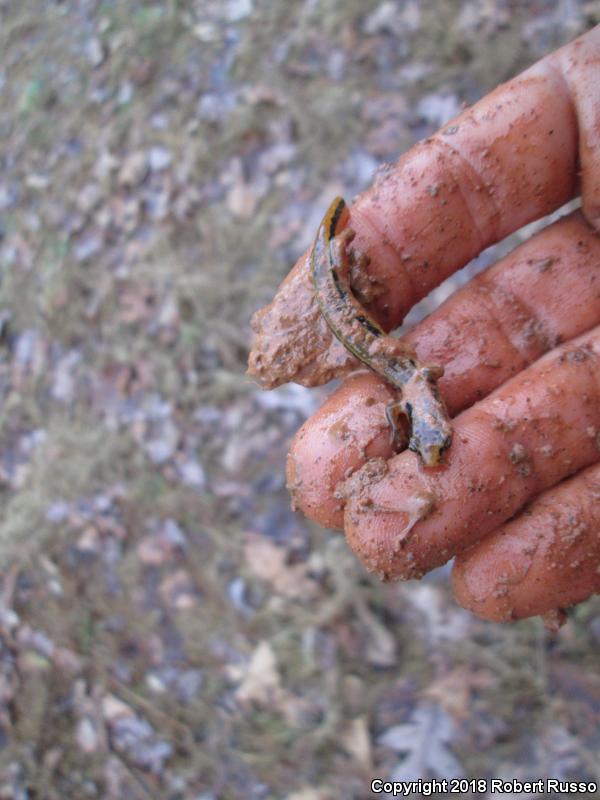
(356,741)
(454,690)
(260,680)
(133,169)
(113,708)
(424,742)
(241,200)
(268,562)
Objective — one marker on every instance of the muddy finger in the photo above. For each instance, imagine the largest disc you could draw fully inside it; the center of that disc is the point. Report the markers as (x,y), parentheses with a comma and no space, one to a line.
(546,291)
(546,559)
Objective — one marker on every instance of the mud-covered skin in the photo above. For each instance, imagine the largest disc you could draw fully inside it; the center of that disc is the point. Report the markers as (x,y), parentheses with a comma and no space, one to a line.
(420,403)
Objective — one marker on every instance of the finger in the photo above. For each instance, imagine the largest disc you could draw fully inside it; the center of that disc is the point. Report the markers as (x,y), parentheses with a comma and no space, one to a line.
(350,428)
(544,292)
(548,558)
(579,63)
(511,158)
(535,430)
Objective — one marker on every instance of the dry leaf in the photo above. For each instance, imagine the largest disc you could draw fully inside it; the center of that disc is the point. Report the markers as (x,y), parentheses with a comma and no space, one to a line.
(424,742)
(356,741)
(260,679)
(454,691)
(241,200)
(268,562)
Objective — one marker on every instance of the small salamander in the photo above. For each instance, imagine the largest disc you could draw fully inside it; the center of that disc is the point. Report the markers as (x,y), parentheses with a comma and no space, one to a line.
(420,402)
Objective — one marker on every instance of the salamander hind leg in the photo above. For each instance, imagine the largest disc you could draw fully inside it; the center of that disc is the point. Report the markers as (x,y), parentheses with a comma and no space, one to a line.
(429,434)
(395,413)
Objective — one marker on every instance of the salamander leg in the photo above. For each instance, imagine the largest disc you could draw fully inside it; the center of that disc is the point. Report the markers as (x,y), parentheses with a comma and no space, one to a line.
(431,372)
(394,411)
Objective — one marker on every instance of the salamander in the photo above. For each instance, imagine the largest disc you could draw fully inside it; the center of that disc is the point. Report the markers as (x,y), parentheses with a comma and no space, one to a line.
(419,401)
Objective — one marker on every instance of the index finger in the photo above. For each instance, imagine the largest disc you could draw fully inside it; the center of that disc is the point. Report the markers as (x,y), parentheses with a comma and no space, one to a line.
(511,158)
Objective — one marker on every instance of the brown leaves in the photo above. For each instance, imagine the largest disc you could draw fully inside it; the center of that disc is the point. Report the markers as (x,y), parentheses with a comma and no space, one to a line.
(269,562)
(454,691)
(356,741)
(259,679)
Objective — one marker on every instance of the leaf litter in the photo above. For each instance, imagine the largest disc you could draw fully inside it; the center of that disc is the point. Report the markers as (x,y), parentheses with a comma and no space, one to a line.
(168,628)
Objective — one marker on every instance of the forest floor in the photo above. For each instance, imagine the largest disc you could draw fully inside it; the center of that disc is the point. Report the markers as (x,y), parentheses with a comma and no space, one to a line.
(168,627)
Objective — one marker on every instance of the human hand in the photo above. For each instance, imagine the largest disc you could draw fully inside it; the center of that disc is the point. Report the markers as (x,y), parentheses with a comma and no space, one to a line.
(518,344)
